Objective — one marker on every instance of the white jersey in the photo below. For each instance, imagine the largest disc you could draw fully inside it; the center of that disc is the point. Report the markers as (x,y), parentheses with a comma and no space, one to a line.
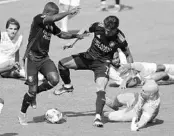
(73,3)
(146,69)
(139,108)
(8,48)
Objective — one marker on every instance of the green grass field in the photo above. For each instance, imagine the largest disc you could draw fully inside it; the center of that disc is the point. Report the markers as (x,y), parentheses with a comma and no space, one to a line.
(149,29)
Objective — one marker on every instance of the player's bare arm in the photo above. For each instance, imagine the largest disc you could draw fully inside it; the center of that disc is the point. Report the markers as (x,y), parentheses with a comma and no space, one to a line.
(66,35)
(128,55)
(49,19)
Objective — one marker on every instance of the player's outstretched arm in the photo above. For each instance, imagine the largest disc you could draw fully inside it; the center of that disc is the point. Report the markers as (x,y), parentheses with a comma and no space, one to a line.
(49,19)
(128,54)
(66,35)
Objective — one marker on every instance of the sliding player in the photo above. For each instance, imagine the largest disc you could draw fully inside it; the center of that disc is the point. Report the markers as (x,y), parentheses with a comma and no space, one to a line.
(141,108)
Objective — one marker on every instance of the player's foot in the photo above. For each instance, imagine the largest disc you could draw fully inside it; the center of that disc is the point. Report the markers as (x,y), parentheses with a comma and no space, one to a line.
(64,89)
(22,119)
(97,121)
(103,8)
(33,103)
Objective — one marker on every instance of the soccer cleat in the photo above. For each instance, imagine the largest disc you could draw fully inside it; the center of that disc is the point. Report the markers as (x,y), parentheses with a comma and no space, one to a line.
(22,119)
(33,103)
(64,90)
(98,122)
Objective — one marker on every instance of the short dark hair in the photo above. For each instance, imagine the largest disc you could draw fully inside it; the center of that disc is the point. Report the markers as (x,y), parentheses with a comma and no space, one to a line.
(111,22)
(12,21)
(51,7)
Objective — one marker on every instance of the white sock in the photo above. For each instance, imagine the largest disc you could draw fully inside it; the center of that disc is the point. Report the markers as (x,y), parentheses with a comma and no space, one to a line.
(97,116)
(103,2)
(1,107)
(68,85)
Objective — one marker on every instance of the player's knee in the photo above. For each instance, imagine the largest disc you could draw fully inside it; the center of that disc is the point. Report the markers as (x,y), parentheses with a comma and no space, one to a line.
(61,65)
(160,67)
(1,101)
(53,79)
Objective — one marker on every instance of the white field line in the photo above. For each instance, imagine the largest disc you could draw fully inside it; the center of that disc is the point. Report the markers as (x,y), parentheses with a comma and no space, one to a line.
(8,1)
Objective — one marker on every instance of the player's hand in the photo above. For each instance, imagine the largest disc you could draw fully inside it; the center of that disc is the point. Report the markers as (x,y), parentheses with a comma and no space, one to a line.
(134,126)
(74,11)
(17,66)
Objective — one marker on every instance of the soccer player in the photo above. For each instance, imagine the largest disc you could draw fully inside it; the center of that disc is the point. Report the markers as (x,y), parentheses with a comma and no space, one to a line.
(36,56)
(140,71)
(107,38)
(140,108)
(137,72)
(66,5)
(10,43)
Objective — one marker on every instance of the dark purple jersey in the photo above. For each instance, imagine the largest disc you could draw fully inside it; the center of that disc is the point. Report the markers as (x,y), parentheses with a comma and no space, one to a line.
(103,47)
(41,33)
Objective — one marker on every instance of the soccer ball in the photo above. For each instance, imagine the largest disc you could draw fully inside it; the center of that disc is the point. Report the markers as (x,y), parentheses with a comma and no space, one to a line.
(53,116)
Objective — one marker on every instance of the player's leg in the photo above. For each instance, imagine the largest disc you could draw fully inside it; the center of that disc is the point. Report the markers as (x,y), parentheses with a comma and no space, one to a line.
(113,104)
(71,62)
(126,99)
(32,82)
(160,67)
(120,115)
(101,79)
(160,76)
(103,5)
(49,70)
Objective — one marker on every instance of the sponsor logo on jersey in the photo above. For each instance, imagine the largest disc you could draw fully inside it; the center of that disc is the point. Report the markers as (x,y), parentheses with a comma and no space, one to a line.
(101,46)
(46,35)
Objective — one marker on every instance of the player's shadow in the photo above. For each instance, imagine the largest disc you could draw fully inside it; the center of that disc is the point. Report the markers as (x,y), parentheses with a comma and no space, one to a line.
(9,134)
(123,7)
(40,119)
(150,124)
(77,114)
(113,85)
(154,123)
